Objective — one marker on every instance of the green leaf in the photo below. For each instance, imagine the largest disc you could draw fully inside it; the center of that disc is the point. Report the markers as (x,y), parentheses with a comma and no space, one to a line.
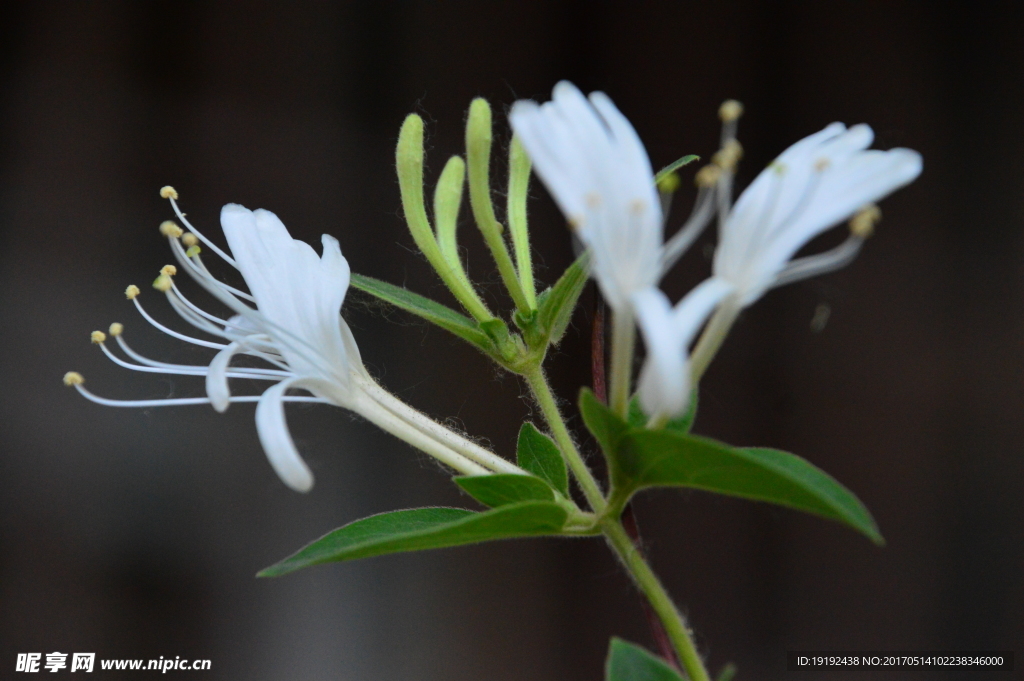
(603,424)
(424,528)
(675,165)
(555,305)
(538,454)
(425,308)
(629,662)
(505,488)
(657,458)
(683,424)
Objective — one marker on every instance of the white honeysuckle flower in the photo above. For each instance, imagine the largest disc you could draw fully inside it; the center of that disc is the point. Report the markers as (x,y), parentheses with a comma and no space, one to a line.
(664,385)
(595,166)
(295,327)
(818,182)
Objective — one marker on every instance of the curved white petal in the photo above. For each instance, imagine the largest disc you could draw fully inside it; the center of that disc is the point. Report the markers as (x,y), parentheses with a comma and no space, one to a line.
(297,292)
(217,378)
(664,384)
(815,184)
(597,170)
(275,438)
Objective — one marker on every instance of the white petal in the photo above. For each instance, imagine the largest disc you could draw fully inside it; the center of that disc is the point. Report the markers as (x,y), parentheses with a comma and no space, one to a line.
(277,441)
(813,185)
(664,384)
(594,165)
(217,379)
(866,178)
(299,293)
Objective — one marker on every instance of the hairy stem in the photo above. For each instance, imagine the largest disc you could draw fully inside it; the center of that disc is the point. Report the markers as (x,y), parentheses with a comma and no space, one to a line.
(546,401)
(653,621)
(648,583)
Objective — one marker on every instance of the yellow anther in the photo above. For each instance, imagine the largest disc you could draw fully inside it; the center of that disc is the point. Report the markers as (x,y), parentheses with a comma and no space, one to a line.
(163,283)
(189,239)
(168,270)
(728,156)
(862,224)
(131,292)
(669,184)
(168,192)
(73,378)
(98,337)
(171,229)
(193,251)
(116,329)
(730,110)
(708,176)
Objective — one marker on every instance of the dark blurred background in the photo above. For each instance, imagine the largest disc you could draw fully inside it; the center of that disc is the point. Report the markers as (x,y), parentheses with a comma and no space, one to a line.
(136,533)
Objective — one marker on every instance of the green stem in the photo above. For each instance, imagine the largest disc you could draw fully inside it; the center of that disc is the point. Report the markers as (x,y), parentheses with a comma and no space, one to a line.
(623,341)
(713,337)
(648,583)
(546,400)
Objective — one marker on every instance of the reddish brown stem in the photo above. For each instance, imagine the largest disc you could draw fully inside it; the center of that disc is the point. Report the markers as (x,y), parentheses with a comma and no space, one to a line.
(597,369)
(661,638)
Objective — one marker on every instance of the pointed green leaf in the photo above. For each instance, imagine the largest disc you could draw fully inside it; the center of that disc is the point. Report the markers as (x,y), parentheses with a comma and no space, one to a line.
(424,528)
(675,165)
(603,424)
(425,308)
(629,662)
(661,457)
(538,454)
(556,305)
(505,488)
(683,424)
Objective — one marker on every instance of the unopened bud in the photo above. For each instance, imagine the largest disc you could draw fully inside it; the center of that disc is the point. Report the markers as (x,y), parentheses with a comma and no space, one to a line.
(168,192)
(116,329)
(862,224)
(730,110)
(171,229)
(98,337)
(73,378)
(131,292)
(189,239)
